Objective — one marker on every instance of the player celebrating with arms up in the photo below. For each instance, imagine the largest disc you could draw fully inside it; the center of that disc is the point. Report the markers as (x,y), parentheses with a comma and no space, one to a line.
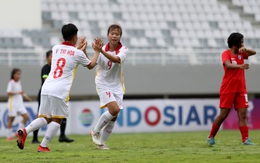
(233,87)
(110,84)
(56,88)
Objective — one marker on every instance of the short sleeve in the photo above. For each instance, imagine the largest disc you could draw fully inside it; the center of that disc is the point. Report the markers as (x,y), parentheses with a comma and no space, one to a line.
(10,87)
(225,57)
(122,53)
(82,58)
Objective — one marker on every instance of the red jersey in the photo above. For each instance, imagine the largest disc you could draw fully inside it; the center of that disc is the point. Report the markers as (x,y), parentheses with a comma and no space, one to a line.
(234,79)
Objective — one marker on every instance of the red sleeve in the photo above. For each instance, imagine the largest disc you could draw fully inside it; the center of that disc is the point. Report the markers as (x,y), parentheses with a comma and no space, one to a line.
(225,57)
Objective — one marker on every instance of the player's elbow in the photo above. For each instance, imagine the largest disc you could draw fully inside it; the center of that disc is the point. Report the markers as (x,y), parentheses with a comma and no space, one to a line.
(91,66)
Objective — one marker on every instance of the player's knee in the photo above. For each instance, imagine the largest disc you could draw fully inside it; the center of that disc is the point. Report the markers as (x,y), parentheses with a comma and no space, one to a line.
(114,119)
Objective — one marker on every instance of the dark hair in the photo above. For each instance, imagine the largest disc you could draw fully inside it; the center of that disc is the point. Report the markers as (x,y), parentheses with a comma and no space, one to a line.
(235,39)
(69,31)
(48,53)
(115,26)
(14,71)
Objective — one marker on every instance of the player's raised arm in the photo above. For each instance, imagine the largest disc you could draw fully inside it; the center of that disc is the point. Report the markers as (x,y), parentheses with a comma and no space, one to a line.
(97,46)
(248,51)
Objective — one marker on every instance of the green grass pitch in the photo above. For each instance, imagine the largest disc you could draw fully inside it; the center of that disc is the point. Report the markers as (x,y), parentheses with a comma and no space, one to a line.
(144,147)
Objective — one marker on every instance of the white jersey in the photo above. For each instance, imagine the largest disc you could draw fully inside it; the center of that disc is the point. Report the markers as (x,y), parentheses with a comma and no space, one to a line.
(109,75)
(17,99)
(65,61)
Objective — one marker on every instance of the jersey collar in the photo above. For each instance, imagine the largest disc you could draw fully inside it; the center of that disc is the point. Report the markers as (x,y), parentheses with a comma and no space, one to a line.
(117,48)
(67,43)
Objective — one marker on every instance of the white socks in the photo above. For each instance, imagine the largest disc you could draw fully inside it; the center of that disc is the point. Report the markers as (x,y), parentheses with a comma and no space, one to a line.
(35,125)
(21,125)
(103,120)
(107,130)
(50,133)
(9,133)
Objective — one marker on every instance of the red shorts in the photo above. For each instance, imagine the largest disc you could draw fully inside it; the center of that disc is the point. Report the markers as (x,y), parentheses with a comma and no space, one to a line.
(239,100)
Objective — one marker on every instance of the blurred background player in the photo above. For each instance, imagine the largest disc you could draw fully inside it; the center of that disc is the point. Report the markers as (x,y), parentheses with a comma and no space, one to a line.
(56,88)
(15,101)
(44,74)
(233,88)
(110,85)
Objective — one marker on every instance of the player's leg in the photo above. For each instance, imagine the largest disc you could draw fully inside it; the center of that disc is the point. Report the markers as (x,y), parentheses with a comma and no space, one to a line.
(107,99)
(43,119)
(12,113)
(59,111)
(9,128)
(25,119)
(108,129)
(52,130)
(241,102)
(35,133)
(224,112)
(226,102)
(105,118)
(216,125)
(63,137)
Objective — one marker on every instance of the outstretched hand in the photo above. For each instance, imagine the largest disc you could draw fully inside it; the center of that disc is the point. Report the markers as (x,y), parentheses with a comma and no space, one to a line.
(98,44)
(82,44)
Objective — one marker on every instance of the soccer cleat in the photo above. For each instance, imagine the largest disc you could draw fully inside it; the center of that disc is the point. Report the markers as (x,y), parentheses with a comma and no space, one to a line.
(211,141)
(102,147)
(43,149)
(95,137)
(35,141)
(65,139)
(10,138)
(248,142)
(21,138)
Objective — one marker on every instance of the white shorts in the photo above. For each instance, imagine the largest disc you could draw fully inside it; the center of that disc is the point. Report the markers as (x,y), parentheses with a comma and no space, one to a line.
(53,107)
(13,111)
(107,96)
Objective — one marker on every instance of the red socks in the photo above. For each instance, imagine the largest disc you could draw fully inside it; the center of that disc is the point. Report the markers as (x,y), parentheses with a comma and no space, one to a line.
(244,132)
(213,131)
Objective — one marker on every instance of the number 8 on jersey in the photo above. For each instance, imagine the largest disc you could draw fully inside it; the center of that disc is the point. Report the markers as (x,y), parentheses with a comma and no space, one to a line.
(59,69)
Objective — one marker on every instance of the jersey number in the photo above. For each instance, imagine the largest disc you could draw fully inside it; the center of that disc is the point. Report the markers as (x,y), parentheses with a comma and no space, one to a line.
(109,63)
(59,69)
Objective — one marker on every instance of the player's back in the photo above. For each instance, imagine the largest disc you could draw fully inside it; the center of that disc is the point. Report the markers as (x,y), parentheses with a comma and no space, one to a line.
(65,60)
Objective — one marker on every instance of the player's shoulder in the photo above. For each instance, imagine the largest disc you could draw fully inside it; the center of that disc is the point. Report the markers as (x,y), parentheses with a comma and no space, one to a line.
(11,81)
(226,52)
(78,52)
(46,66)
(124,48)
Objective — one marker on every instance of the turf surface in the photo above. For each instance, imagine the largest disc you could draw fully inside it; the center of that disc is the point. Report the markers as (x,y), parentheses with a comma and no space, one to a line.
(146,147)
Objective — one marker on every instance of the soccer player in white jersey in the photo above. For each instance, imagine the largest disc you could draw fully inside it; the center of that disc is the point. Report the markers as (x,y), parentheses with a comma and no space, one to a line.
(110,85)
(15,102)
(56,88)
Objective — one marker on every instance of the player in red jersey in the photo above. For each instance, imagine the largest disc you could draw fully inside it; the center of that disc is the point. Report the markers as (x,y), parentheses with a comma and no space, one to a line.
(233,88)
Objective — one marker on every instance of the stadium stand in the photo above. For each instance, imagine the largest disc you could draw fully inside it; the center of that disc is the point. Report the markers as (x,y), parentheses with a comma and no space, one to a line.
(180,31)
